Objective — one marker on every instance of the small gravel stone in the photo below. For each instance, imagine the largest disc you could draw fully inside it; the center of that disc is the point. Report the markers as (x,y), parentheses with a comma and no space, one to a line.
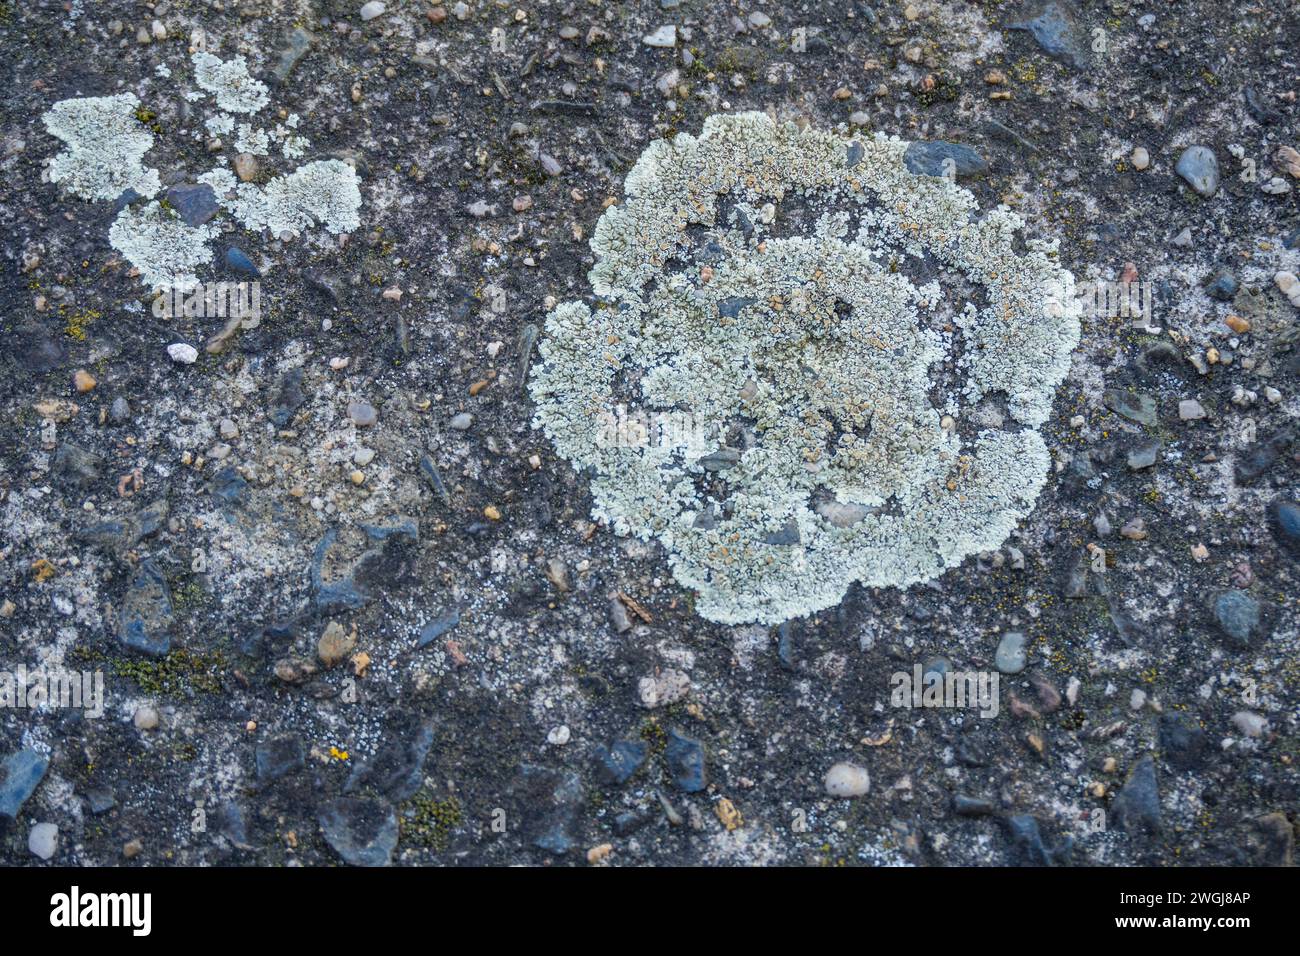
(43,840)
(335,644)
(1200,168)
(1250,723)
(665,36)
(1237,614)
(1140,158)
(462,421)
(1190,410)
(183,353)
(1011,653)
(666,687)
(363,414)
(846,780)
(146,718)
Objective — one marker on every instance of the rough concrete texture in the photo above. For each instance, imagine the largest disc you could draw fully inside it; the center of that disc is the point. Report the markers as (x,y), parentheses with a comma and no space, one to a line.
(349,605)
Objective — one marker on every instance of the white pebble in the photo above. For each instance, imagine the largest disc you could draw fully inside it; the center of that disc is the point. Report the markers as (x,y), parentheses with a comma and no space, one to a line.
(146,718)
(559,736)
(1250,724)
(665,36)
(372,9)
(1290,286)
(847,780)
(43,840)
(183,352)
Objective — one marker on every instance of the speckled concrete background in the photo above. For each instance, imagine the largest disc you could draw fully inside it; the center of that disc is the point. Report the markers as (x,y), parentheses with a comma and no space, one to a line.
(394,631)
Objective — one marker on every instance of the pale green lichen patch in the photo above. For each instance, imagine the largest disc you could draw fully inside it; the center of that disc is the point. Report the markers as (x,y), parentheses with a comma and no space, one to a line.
(229,81)
(779,291)
(165,250)
(106,141)
(105,144)
(325,192)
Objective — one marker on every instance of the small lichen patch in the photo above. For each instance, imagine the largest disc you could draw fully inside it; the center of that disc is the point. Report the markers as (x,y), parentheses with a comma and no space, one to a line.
(229,81)
(105,146)
(774,384)
(326,192)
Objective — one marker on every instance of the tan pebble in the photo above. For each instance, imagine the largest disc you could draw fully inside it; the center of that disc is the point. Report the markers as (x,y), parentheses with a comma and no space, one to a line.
(83,381)
(335,644)
(728,814)
(245,166)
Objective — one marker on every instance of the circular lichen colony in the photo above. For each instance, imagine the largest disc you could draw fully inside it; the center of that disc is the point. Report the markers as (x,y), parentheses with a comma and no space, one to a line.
(773,382)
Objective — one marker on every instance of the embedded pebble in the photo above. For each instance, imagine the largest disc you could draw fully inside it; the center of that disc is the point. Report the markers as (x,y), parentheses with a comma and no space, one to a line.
(1011,654)
(43,840)
(183,353)
(363,414)
(1200,168)
(845,780)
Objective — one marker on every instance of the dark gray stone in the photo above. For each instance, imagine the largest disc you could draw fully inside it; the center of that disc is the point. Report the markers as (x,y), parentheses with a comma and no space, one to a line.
(1221,284)
(1027,847)
(1056,32)
(20,775)
(1136,808)
(1284,519)
(238,261)
(100,800)
(297,44)
(1182,741)
(967,806)
(732,307)
(145,619)
(1237,614)
(289,397)
(194,203)
(361,830)
(1144,454)
(551,801)
(685,756)
(440,625)
(929,159)
(1134,406)
(617,763)
(119,535)
(77,465)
